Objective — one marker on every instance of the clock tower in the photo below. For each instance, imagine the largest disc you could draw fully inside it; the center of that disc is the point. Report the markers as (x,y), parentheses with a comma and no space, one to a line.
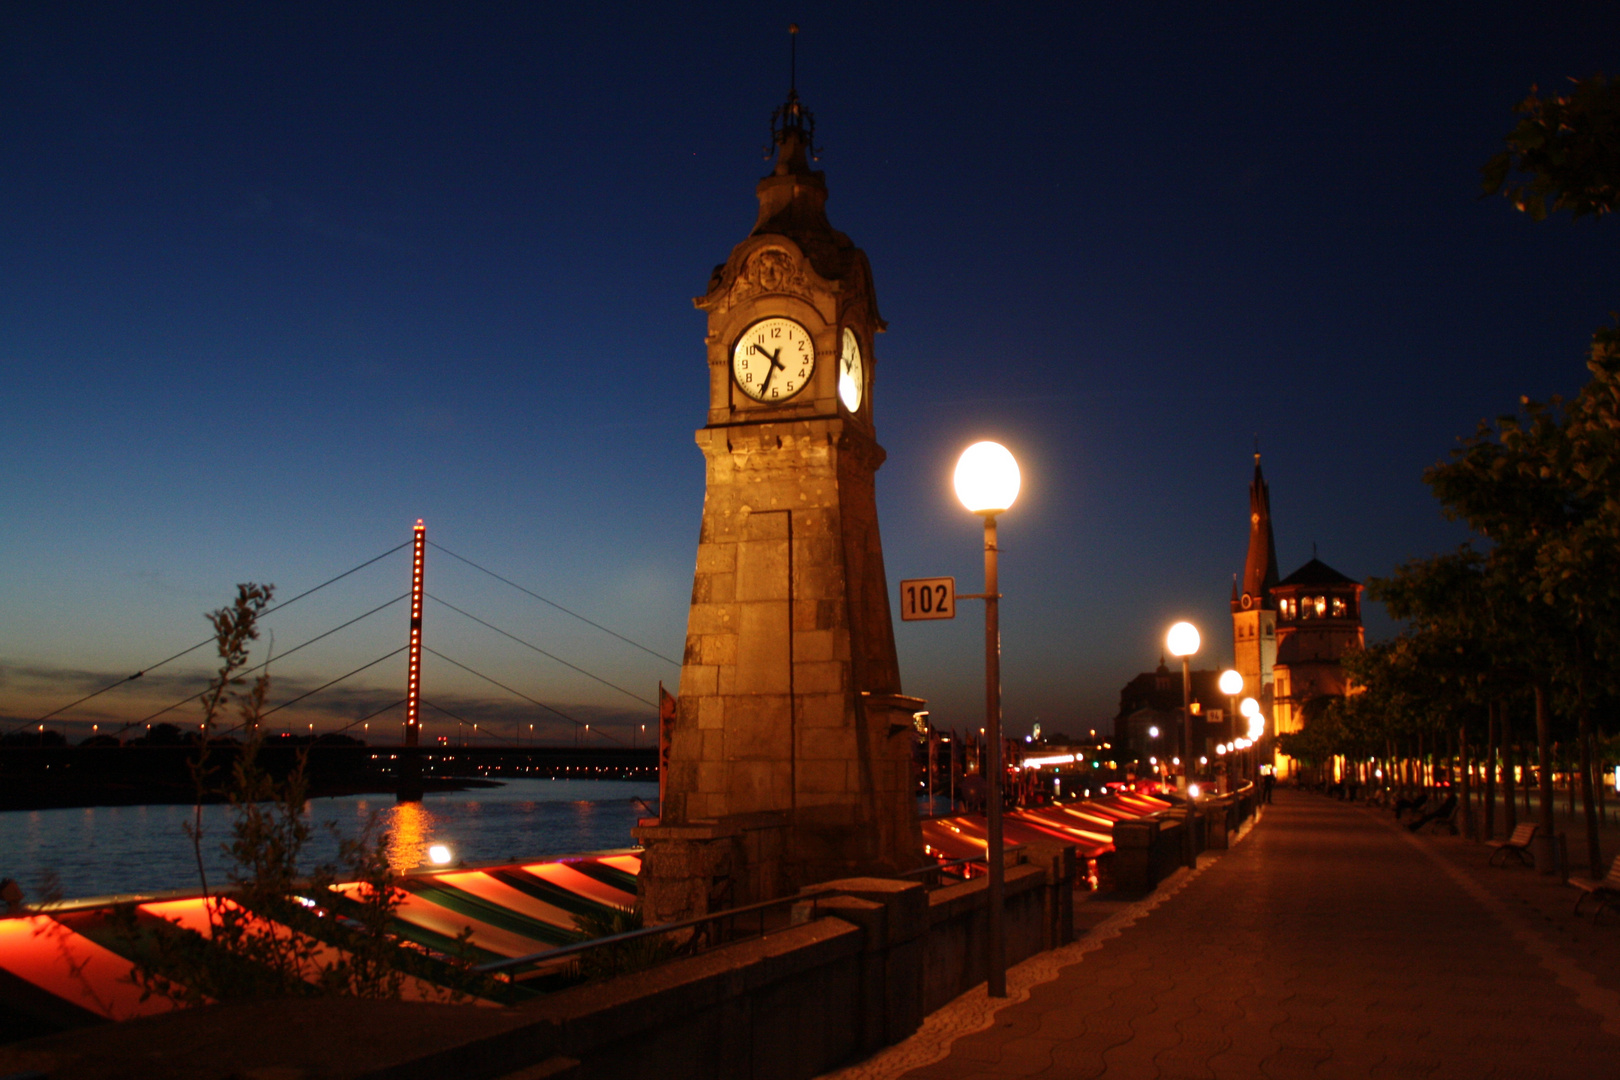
(790,756)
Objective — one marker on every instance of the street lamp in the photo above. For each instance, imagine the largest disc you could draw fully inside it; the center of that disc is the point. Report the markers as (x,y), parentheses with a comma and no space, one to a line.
(1231,684)
(1182,641)
(1250,710)
(1257,723)
(987,482)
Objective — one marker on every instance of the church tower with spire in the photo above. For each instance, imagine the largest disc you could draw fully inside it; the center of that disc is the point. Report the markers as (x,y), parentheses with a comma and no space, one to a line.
(789,759)
(1254,612)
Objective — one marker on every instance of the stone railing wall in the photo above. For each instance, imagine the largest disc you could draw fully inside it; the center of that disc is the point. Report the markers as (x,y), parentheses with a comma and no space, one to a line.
(791,1005)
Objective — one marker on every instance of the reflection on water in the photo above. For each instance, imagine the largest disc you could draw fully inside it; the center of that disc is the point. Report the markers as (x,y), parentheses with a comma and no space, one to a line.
(99,850)
(409,826)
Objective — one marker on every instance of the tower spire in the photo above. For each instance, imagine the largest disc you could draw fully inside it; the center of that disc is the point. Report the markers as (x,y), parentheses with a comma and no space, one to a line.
(793,127)
(1260,566)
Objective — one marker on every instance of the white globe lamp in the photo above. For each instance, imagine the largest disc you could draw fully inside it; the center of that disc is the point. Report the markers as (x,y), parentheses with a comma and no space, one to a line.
(987,478)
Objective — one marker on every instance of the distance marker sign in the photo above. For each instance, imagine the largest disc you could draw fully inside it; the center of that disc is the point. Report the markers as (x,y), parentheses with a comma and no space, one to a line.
(928,598)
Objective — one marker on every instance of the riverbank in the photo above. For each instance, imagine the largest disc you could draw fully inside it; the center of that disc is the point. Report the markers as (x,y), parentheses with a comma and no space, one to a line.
(56,777)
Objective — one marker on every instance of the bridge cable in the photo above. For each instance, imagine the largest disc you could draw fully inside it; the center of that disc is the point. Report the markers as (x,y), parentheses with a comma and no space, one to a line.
(266,663)
(457,719)
(519,693)
(205,641)
(368,716)
(334,682)
(542,652)
(553,603)
(345,727)
(318,689)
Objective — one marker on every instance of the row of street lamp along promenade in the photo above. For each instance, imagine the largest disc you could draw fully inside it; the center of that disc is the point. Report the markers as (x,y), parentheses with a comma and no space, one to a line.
(987,482)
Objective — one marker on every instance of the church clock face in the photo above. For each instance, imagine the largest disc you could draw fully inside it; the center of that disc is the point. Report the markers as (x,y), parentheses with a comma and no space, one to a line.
(773,359)
(851,373)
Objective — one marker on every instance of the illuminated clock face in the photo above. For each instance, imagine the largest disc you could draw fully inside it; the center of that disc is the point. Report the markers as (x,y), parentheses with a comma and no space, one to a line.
(851,373)
(773,359)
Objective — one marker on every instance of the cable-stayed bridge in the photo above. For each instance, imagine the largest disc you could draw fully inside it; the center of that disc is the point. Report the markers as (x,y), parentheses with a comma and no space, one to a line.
(528,733)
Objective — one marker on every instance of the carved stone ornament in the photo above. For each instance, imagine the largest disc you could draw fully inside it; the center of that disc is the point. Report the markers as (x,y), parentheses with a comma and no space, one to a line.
(770,270)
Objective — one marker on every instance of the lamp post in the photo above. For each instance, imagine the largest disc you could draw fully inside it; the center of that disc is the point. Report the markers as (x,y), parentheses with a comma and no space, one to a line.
(1182,641)
(1231,684)
(1257,727)
(987,482)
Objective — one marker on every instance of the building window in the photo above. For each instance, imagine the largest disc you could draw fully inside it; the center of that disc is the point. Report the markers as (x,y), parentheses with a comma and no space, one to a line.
(1320,604)
(1287,607)
(1339,608)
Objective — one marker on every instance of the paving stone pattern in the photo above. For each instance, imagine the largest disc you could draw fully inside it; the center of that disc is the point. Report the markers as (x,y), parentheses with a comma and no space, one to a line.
(1326,945)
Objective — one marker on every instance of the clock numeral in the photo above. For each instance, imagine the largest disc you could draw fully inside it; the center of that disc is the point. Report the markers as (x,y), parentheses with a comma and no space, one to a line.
(801,373)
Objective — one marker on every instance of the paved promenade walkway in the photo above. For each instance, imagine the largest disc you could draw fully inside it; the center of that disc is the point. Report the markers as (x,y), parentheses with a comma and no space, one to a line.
(1328,943)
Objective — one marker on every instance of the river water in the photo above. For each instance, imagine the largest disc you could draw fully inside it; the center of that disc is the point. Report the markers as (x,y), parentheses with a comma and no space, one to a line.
(101,850)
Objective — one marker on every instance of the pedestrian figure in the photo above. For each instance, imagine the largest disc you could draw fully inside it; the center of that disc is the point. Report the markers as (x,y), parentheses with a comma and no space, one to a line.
(1266,784)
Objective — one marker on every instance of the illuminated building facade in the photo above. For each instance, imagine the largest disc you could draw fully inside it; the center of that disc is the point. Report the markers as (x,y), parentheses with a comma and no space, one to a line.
(1289,635)
(1318,621)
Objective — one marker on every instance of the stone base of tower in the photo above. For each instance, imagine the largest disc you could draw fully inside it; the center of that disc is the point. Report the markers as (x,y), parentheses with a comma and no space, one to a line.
(692,868)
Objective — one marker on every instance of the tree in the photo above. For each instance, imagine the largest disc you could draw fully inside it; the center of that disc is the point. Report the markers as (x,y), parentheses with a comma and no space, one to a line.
(1566,148)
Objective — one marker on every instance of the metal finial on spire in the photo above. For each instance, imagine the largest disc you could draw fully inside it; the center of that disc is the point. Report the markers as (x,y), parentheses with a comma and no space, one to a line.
(791,120)
(1257,448)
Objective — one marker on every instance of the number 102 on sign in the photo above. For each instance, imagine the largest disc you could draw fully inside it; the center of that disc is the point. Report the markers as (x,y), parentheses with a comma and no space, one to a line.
(928,598)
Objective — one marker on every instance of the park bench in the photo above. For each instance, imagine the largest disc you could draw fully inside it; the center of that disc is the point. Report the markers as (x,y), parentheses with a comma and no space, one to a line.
(1444,817)
(1518,844)
(1606,890)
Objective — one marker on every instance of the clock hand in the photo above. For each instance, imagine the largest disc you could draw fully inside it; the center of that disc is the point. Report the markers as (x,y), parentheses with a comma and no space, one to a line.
(765,383)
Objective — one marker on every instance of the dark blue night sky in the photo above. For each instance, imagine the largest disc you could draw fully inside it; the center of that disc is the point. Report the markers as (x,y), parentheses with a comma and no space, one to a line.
(280,279)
